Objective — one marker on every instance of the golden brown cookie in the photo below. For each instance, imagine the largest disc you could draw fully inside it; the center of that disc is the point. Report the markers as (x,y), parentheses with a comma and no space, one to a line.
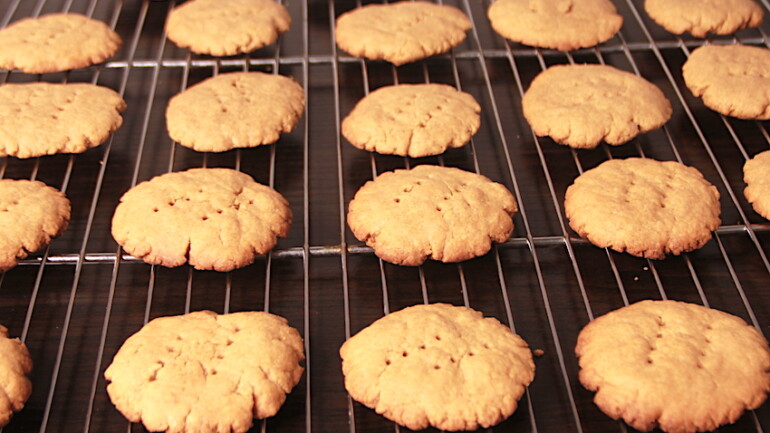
(31,214)
(732,79)
(700,17)
(38,119)
(212,218)
(582,105)
(672,365)
(756,174)
(401,32)
(556,24)
(442,213)
(204,372)
(56,42)
(644,207)
(438,365)
(412,120)
(226,28)
(235,110)
(15,365)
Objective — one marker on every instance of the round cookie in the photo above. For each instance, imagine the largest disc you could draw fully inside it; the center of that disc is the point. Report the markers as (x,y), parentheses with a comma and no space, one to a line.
(56,42)
(212,218)
(582,105)
(31,214)
(206,372)
(226,28)
(441,213)
(676,366)
(401,32)
(412,120)
(15,365)
(556,24)
(756,174)
(644,207)
(235,110)
(731,79)
(38,119)
(438,365)
(700,17)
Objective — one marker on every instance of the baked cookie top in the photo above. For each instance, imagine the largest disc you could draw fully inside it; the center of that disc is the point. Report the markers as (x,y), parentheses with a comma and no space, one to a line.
(206,372)
(644,207)
(212,218)
(582,105)
(38,119)
(412,120)
(56,42)
(15,365)
(401,32)
(732,79)
(438,365)
(441,213)
(235,110)
(673,365)
(556,24)
(756,174)
(700,17)
(31,214)
(226,28)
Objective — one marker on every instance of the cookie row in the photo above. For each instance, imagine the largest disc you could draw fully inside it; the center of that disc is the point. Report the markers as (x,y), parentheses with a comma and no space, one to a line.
(398,32)
(221,219)
(652,364)
(576,105)
(404,31)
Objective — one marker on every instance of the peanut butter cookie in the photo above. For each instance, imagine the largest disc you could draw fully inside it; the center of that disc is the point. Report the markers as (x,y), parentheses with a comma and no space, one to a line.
(438,365)
(56,42)
(235,110)
(401,32)
(672,365)
(31,214)
(226,28)
(701,17)
(583,105)
(441,213)
(732,79)
(644,207)
(206,372)
(38,119)
(556,24)
(413,120)
(212,218)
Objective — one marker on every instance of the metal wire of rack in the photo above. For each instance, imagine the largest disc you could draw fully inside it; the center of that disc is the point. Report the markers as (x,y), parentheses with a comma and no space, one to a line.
(76,302)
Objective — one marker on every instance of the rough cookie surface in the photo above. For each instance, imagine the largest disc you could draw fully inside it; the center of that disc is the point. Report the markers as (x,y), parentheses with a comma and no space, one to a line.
(401,32)
(756,174)
(582,105)
(673,365)
(237,109)
(438,365)
(413,120)
(15,365)
(56,42)
(226,28)
(212,218)
(556,24)
(700,17)
(733,80)
(442,213)
(206,373)
(31,214)
(38,119)
(644,207)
